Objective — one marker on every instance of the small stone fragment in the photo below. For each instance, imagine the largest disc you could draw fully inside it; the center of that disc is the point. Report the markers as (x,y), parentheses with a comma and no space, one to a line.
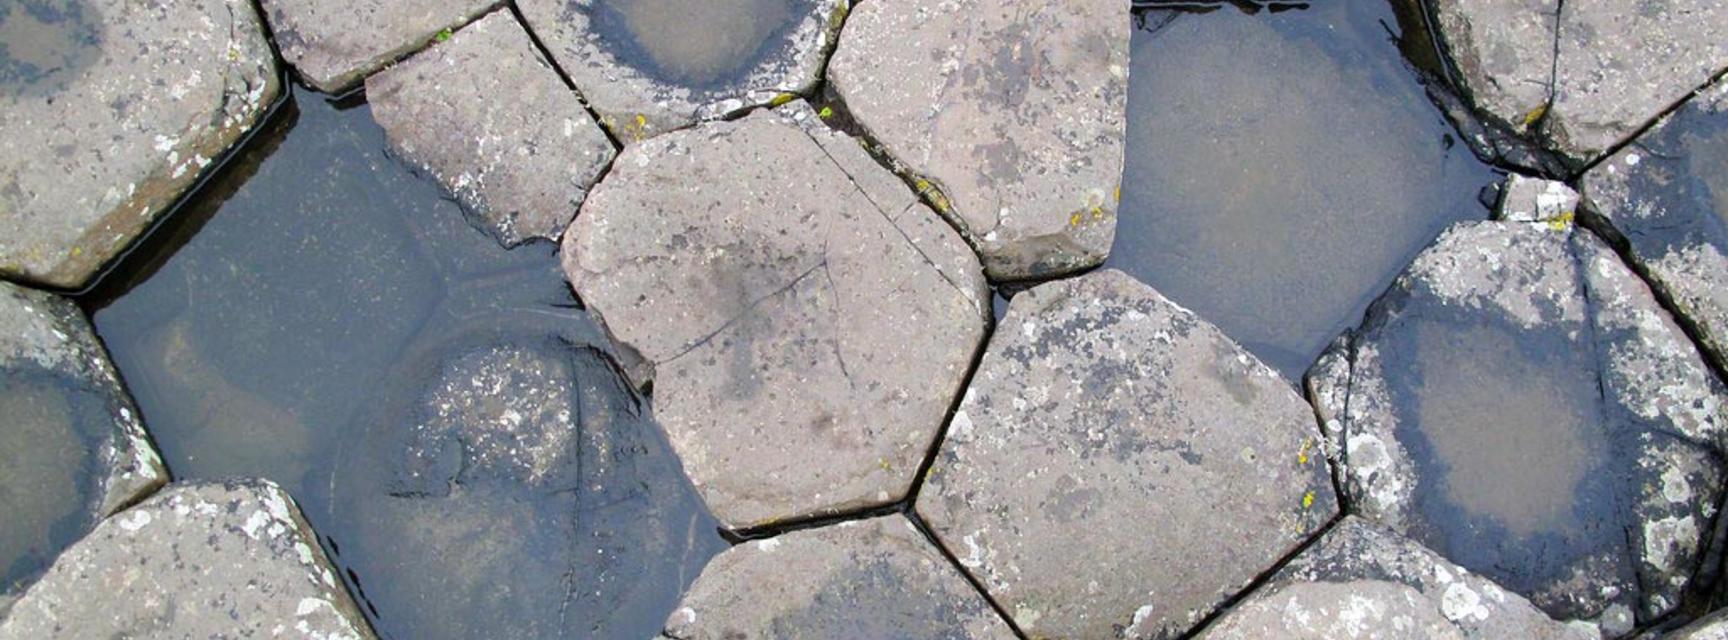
(1119,468)
(334,44)
(1527,199)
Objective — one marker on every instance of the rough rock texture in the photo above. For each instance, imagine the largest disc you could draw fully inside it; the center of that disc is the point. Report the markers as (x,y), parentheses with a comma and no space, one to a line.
(1527,199)
(875,578)
(1118,467)
(806,322)
(333,44)
(635,100)
(1710,627)
(1668,195)
(1519,403)
(108,110)
(1012,111)
(1503,51)
(195,561)
(1361,581)
(523,164)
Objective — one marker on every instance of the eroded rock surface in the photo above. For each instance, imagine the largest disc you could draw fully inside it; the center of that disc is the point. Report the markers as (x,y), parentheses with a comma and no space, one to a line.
(1710,627)
(203,560)
(108,110)
(1527,199)
(334,44)
(1118,467)
(1012,111)
(1504,54)
(876,578)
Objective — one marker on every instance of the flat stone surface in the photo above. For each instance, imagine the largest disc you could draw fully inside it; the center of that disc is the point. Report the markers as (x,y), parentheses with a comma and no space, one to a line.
(876,578)
(1667,193)
(1710,627)
(1527,199)
(521,165)
(1503,51)
(1012,109)
(1119,468)
(1519,403)
(1362,581)
(650,66)
(334,44)
(109,109)
(72,450)
(199,560)
(805,321)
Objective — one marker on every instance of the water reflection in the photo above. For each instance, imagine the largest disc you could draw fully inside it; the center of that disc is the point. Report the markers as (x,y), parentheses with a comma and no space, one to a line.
(53,428)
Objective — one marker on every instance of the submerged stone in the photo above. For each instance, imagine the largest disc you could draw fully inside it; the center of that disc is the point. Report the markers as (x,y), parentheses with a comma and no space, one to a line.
(876,578)
(334,44)
(109,109)
(805,321)
(1008,112)
(1519,403)
(650,66)
(1119,468)
(521,165)
(198,560)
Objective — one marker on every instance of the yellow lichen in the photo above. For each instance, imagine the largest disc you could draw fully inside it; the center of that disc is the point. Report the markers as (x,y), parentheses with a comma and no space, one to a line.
(1533,115)
(1562,221)
(838,16)
(782,99)
(1308,500)
(1302,455)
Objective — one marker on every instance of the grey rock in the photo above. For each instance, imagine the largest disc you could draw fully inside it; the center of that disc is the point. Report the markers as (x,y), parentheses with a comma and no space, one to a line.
(876,578)
(108,113)
(1119,468)
(523,164)
(1009,112)
(1504,54)
(650,66)
(805,321)
(333,44)
(1527,199)
(201,560)
(1710,627)
(1362,581)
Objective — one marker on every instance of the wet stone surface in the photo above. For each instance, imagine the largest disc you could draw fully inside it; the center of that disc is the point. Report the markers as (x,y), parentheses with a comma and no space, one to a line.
(1119,468)
(108,110)
(334,44)
(651,66)
(197,560)
(804,320)
(877,578)
(1009,113)
(1282,167)
(1519,403)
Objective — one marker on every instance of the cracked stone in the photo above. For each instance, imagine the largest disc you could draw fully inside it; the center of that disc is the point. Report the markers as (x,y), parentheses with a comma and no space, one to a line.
(805,320)
(334,44)
(1010,112)
(1527,199)
(1503,51)
(1100,407)
(109,109)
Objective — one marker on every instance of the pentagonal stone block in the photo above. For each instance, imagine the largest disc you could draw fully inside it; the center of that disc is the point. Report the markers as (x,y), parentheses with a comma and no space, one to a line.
(805,321)
(1011,109)
(1520,404)
(108,110)
(875,578)
(203,560)
(651,66)
(1119,468)
(334,44)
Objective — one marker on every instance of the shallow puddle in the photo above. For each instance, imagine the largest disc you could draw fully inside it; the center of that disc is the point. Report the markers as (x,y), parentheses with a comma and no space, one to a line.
(439,405)
(48,468)
(1282,167)
(694,44)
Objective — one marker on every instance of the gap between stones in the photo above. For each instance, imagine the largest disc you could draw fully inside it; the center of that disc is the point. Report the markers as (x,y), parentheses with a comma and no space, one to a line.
(546,55)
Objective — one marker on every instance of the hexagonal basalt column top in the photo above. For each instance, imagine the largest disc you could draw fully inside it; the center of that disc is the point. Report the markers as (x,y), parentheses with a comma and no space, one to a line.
(1119,468)
(334,44)
(806,322)
(651,66)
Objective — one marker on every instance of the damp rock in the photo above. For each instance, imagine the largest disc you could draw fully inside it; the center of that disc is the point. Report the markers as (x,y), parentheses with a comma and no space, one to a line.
(1362,581)
(1100,407)
(521,165)
(201,560)
(651,66)
(1527,199)
(1520,404)
(1710,627)
(334,44)
(109,109)
(1503,51)
(805,321)
(877,578)
(1008,112)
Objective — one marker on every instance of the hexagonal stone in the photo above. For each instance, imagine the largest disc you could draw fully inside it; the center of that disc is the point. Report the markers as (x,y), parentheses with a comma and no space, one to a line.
(108,110)
(72,449)
(875,578)
(333,44)
(1527,199)
(1362,581)
(806,321)
(1011,109)
(1519,403)
(200,560)
(1668,195)
(1119,468)
(523,165)
(651,66)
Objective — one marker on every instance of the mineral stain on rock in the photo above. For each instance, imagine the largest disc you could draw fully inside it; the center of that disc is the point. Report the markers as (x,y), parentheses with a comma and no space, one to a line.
(693,43)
